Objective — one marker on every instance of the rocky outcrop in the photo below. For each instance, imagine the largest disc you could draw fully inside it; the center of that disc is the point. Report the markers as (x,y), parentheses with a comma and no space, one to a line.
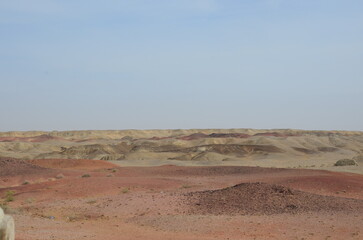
(346,162)
(7,229)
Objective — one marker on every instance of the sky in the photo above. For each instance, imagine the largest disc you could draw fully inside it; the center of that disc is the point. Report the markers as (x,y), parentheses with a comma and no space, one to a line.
(174,64)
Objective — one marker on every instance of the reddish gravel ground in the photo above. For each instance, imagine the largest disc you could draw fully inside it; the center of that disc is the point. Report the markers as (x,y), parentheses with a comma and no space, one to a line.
(171,202)
(75,164)
(16,167)
(262,198)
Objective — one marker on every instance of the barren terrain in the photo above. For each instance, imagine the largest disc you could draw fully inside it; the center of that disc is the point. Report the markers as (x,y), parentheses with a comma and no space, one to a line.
(204,147)
(183,184)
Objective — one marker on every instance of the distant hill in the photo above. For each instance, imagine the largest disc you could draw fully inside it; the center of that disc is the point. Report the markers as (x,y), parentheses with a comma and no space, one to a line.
(269,148)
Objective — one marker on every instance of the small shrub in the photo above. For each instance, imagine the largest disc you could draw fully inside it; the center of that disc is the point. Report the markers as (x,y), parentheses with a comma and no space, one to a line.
(26,182)
(72,218)
(29,200)
(186,186)
(86,175)
(125,190)
(59,176)
(114,170)
(9,196)
(91,201)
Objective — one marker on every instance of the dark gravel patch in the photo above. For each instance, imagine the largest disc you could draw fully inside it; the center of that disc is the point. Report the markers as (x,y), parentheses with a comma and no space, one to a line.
(264,199)
(13,167)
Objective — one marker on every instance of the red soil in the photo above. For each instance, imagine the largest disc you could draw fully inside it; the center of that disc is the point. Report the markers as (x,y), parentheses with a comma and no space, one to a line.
(79,164)
(160,203)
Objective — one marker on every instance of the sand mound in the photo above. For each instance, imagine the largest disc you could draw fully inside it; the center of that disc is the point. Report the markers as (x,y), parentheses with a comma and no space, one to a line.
(80,164)
(13,167)
(263,198)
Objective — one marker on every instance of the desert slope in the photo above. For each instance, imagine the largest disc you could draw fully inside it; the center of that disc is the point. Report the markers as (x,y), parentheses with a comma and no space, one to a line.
(242,147)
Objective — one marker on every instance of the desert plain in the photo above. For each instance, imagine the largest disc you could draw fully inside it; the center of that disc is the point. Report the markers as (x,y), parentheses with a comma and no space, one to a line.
(183,184)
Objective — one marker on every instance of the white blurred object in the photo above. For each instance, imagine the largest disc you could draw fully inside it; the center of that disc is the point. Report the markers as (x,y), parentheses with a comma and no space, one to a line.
(7,227)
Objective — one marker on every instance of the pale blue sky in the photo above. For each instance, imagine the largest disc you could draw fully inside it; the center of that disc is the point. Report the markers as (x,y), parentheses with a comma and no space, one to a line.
(146,64)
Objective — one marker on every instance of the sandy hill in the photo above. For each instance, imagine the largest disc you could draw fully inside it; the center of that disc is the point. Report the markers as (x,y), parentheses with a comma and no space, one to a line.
(249,147)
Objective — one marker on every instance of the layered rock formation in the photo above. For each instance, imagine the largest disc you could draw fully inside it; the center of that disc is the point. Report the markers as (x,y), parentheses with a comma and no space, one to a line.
(248,147)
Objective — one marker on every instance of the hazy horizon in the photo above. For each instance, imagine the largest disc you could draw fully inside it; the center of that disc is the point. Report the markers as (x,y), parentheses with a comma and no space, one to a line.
(192,64)
(176,129)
